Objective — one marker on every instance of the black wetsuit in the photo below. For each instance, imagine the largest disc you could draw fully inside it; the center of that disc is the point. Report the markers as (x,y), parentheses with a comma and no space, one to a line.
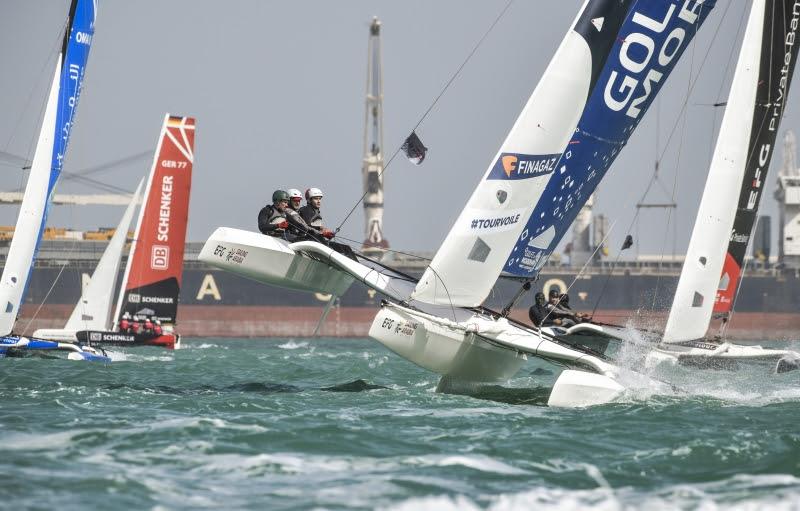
(537,314)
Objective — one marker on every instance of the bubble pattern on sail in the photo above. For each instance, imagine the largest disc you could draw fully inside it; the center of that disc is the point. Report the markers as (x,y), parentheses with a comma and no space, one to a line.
(604,75)
(152,280)
(48,158)
(778,59)
(649,45)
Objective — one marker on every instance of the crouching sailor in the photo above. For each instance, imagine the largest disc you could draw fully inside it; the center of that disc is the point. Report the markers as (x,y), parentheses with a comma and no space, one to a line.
(272,217)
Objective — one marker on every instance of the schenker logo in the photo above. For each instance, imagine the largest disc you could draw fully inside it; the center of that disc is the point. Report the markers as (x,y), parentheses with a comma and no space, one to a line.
(636,54)
(163,211)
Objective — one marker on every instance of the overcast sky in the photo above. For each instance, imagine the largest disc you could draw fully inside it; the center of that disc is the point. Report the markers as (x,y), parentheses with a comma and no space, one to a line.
(278,91)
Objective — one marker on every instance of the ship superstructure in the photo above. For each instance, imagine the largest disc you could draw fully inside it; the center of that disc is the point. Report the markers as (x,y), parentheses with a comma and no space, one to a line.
(373,164)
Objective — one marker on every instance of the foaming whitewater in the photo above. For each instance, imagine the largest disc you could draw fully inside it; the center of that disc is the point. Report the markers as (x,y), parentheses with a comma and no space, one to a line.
(345,424)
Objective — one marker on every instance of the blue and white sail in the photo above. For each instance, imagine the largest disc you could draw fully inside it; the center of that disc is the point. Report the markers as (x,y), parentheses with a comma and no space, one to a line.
(48,159)
(593,94)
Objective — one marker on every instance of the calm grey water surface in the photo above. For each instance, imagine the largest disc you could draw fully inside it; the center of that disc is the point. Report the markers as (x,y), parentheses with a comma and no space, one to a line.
(295,424)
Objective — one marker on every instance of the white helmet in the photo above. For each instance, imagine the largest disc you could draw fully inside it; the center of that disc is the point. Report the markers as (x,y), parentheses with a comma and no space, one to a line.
(313,192)
(294,193)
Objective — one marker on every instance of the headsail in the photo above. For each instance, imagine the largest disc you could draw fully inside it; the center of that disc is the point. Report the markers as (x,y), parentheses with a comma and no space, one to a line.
(48,159)
(592,96)
(738,168)
(153,274)
(93,311)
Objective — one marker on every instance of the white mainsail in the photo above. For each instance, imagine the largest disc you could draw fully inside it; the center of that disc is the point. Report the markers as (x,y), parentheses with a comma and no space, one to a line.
(93,311)
(744,147)
(48,159)
(593,94)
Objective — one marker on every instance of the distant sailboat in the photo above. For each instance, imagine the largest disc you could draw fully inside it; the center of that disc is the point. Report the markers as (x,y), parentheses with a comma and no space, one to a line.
(152,282)
(714,261)
(93,310)
(147,305)
(598,86)
(46,167)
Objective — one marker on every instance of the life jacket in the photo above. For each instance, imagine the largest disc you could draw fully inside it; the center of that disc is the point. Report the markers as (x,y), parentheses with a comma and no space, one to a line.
(270,215)
(312,216)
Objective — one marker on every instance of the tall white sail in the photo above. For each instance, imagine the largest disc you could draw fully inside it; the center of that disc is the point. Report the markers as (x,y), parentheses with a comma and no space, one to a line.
(738,168)
(48,159)
(603,77)
(93,310)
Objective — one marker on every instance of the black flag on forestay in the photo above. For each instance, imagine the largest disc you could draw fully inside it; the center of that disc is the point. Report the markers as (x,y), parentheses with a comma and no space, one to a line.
(628,243)
(414,149)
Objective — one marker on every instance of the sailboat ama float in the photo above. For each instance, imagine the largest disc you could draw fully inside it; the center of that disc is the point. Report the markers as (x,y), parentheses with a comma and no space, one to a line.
(595,91)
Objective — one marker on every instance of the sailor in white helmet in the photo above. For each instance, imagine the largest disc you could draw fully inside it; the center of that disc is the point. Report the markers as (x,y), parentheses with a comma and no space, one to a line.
(311,212)
(297,225)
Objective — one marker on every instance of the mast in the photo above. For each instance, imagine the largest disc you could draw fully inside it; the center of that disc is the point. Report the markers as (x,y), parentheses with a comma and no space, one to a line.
(373,164)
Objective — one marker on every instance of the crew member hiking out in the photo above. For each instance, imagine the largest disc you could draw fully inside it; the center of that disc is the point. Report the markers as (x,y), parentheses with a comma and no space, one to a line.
(272,217)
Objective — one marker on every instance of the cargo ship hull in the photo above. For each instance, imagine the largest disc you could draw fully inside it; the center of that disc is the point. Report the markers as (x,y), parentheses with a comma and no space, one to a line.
(214,303)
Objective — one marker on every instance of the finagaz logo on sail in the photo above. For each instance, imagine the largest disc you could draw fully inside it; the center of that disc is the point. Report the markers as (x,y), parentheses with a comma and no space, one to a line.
(523,166)
(636,54)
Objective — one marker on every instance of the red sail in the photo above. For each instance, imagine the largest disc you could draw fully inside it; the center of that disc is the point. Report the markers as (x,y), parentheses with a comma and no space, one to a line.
(728,285)
(153,274)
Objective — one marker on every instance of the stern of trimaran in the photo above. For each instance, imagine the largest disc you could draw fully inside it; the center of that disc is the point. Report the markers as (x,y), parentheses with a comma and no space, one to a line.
(603,77)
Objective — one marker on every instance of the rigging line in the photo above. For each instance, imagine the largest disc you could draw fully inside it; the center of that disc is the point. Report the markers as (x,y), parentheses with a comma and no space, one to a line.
(70,252)
(685,117)
(585,265)
(430,108)
(388,250)
(54,49)
(693,83)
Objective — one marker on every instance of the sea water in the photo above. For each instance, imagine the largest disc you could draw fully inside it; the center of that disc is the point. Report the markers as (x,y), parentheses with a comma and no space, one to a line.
(346,424)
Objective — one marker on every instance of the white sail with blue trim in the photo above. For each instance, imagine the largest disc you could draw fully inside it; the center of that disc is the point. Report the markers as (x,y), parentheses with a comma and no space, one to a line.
(48,159)
(594,93)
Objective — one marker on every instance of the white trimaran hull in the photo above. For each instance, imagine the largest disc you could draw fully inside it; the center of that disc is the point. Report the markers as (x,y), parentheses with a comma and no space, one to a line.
(476,348)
